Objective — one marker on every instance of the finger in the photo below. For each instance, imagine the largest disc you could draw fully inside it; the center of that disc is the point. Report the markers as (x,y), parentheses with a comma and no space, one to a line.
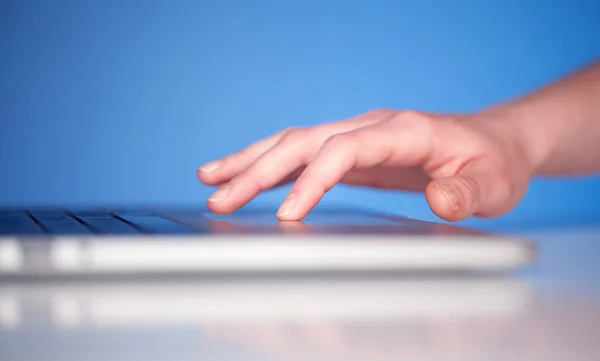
(222,170)
(291,153)
(478,189)
(285,181)
(385,144)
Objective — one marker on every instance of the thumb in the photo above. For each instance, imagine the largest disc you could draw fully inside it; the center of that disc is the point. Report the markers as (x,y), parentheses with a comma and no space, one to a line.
(475,190)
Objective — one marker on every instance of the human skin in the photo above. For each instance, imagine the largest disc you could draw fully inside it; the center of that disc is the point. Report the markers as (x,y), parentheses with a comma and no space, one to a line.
(466,164)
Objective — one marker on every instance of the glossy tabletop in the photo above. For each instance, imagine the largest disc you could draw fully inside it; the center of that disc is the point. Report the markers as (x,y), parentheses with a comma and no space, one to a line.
(548,311)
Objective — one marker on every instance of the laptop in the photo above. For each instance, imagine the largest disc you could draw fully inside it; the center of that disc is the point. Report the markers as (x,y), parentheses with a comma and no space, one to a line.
(55,242)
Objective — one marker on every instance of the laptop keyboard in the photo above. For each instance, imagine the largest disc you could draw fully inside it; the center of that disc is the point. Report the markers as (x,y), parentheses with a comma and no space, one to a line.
(44,222)
(80,223)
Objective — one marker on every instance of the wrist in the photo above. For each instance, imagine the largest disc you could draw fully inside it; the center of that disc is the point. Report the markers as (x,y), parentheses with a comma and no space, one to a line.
(513,125)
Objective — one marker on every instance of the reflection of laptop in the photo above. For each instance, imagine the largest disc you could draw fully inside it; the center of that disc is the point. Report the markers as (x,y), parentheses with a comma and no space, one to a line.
(51,242)
(143,303)
(371,319)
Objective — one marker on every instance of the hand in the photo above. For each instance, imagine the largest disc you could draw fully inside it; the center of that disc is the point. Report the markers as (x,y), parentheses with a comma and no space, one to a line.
(465,164)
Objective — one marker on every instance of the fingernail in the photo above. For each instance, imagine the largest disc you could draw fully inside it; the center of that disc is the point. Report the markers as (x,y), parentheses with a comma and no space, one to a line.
(211,166)
(451,193)
(287,206)
(219,195)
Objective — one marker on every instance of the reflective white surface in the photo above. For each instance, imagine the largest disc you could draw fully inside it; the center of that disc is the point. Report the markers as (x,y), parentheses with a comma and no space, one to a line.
(549,311)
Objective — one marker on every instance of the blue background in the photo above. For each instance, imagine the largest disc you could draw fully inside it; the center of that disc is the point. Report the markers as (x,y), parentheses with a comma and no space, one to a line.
(117,102)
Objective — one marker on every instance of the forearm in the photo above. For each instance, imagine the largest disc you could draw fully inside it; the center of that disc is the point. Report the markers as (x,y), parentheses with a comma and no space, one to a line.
(559,125)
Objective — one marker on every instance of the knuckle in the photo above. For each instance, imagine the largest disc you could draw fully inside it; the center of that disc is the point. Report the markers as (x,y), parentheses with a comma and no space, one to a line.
(295,135)
(259,178)
(287,130)
(380,113)
(299,144)
(414,121)
(263,175)
(261,170)
(409,115)
(470,185)
(413,117)
(265,182)
(338,141)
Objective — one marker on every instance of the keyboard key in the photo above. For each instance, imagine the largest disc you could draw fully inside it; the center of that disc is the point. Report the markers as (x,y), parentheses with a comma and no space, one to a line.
(157,224)
(15,222)
(107,224)
(18,226)
(61,224)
